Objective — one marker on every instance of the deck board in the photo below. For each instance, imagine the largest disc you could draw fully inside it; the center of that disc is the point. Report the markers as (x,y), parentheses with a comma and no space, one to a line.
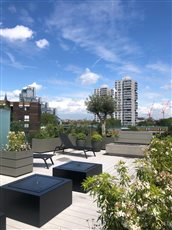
(83,210)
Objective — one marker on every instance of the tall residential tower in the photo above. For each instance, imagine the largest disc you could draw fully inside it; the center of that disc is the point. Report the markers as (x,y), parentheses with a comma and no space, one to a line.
(103,91)
(126,97)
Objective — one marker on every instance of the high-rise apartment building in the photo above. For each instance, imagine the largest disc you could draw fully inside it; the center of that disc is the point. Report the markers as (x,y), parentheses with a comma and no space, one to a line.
(28,95)
(126,97)
(103,91)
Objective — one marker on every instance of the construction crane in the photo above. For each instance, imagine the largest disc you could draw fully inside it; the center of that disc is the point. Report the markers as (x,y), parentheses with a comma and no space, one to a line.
(165,105)
(150,111)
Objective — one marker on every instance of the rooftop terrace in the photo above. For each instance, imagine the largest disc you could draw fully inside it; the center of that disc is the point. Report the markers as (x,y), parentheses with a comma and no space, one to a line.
(83,211)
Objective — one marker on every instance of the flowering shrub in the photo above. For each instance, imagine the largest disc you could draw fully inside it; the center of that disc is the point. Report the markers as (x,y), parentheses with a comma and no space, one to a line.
(142,203)
(16,142)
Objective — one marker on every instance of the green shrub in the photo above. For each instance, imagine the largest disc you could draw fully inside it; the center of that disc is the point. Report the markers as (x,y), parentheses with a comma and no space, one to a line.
(80,136)
(96,137)
(143,202)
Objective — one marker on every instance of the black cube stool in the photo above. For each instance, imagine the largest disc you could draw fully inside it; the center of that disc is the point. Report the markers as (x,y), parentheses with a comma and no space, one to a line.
(77,171)
(36,199)
(2,221)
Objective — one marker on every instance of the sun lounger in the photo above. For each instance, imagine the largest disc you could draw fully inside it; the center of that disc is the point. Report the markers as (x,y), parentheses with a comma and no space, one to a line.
(66,144)
(44,157)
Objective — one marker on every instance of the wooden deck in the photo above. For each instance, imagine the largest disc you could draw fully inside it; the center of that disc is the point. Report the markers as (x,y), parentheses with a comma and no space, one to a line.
(82,214)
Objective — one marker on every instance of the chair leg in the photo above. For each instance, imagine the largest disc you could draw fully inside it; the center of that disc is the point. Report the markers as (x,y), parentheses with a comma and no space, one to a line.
(45,161)
(94,153)
(85,153)
(51,160)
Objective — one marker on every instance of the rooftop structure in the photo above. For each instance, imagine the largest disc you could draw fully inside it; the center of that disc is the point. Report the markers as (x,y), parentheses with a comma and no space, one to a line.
(28,95)
(126,97)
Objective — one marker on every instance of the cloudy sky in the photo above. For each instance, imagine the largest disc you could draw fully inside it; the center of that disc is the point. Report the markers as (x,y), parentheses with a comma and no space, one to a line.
(66,49)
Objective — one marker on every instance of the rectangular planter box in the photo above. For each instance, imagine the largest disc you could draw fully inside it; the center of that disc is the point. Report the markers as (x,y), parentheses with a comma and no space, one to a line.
(125,150)
(77,172)
(36,199)
(45,145)
(15,164)
(134,137)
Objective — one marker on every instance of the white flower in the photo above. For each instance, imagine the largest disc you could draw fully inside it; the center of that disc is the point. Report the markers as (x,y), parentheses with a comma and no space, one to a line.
(120,213)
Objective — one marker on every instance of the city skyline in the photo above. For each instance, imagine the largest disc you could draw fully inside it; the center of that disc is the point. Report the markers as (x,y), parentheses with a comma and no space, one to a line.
(66,49)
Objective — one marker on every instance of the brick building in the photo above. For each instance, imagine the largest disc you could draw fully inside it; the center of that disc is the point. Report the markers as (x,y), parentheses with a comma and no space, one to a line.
(27,112)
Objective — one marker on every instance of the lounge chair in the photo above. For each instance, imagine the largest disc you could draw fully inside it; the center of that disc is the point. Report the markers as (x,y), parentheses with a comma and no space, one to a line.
(44,157)
(67,144)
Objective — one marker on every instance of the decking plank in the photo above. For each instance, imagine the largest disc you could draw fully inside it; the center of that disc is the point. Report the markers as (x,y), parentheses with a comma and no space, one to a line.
(83,208)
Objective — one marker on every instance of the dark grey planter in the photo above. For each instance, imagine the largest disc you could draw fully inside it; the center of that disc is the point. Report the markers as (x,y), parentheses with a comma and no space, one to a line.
(45,145)
(107,140)
(97,145)
(80,143)
(13,163)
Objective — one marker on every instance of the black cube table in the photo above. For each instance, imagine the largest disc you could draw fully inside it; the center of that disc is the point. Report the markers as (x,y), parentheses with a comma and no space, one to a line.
(2,221)
(77,171)
(36,199)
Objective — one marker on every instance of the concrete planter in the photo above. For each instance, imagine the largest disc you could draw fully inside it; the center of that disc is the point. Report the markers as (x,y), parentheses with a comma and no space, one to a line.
(107,140)
(97,145)
(125,150)
(13,163)
(45,145)
(80,143)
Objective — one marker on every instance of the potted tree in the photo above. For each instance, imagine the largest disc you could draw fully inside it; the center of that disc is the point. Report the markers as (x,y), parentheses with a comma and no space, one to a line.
(96,141)
(16,158)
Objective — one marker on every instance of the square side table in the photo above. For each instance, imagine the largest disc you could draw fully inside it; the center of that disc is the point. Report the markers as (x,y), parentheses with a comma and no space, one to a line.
(36,199)
(77,171)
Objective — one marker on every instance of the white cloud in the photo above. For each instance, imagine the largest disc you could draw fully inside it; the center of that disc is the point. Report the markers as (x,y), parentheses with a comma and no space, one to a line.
(68,105)
(36,86)
(19,32)
(11,61)
(100,16)
(59,82)
(159,66)
(25,17)
(167,86)
(11,95)
(64,46)
(157,110)
(12,9)
(73,68)
(88,77)
(104,86)
(42,43)
(131,68)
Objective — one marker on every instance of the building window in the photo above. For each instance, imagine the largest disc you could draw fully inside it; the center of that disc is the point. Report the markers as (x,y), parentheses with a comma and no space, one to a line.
(26,117)
(26,108)
(26,126)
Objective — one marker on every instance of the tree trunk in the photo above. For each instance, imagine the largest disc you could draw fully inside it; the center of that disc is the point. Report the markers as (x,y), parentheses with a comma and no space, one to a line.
(103,128)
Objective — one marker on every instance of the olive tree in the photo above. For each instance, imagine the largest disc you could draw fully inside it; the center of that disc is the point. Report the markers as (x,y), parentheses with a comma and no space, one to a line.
(102,106)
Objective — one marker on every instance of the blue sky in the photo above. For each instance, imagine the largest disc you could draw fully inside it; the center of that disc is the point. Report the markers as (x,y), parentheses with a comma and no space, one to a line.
(66,49)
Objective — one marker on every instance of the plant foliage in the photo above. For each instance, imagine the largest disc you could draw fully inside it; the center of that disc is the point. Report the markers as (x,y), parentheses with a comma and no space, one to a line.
(102,106)
(16,142)
(96,137)
(142,203)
